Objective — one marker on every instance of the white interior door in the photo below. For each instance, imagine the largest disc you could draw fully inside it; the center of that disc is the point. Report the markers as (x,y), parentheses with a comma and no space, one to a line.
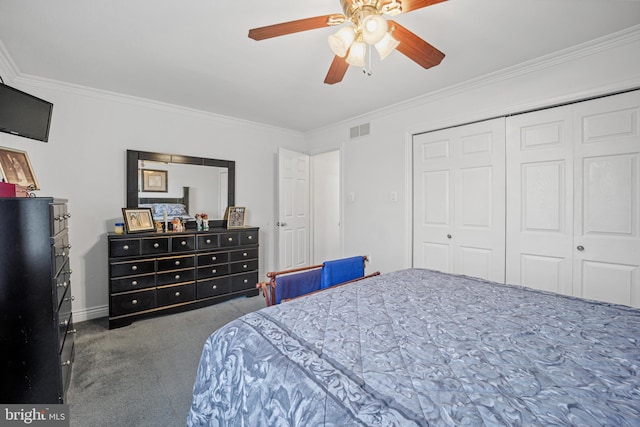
(459,200)
(540,200)
(607,215)
(293,209)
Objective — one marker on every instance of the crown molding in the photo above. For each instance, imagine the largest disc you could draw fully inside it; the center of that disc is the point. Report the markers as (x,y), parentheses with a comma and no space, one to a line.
(8,68)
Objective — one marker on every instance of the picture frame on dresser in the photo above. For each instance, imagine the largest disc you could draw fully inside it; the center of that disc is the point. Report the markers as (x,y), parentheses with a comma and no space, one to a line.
(138,220)
(16,168)
(236,216)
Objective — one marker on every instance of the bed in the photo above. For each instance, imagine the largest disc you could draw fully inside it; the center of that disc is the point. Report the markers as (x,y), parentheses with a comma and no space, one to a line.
(418,347)
(173,206)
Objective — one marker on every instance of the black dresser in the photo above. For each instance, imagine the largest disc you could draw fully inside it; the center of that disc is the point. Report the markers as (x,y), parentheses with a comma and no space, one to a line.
(36,327)
(154,273)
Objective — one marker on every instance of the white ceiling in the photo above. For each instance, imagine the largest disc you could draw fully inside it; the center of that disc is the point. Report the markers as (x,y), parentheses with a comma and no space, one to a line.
(196,53)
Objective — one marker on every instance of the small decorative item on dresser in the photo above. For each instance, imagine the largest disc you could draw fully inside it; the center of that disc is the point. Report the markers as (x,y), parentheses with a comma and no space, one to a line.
(138,219)
(205,221)
(118,228)
(198,222)
(236,217)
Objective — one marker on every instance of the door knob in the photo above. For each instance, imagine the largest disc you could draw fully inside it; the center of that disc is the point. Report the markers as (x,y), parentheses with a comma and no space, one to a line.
(281,224)
(580,248)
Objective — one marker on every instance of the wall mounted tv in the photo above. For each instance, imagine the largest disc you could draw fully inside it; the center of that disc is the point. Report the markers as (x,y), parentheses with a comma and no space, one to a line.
(23,114)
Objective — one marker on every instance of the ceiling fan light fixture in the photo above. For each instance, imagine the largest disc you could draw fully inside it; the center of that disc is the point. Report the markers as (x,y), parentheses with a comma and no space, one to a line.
(374,27)
(357,54)
(386,46)
(392,9)
(341,41)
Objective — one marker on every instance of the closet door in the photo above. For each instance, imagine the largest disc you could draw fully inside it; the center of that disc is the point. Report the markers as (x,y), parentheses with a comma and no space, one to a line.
(459,200)
(607,207)
(540,200)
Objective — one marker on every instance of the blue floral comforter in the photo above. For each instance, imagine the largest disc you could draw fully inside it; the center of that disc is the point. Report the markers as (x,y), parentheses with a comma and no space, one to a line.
(417,348)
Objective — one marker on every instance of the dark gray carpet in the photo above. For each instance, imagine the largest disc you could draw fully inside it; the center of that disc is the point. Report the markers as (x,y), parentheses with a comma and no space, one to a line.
(143,374)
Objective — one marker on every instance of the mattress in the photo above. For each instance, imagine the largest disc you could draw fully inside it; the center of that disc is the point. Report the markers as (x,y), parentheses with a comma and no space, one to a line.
(418,347)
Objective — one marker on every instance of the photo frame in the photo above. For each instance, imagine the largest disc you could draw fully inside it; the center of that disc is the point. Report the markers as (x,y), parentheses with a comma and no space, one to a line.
(16,168)
(154,180)
(138,220)
(236,216)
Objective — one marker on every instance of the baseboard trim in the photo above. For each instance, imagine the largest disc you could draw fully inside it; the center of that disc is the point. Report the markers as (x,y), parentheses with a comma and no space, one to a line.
(90,313)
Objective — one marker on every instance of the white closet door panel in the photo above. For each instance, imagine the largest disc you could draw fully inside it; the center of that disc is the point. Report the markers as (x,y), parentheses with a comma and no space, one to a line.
(540,200)
(607,215)
(459,200)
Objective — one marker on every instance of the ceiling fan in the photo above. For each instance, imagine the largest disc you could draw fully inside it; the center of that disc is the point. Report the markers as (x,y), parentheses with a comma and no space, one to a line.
(364,26)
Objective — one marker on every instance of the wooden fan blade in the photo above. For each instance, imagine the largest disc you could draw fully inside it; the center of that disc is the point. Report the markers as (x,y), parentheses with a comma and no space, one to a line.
(337,70)
(414,48)
(290,27)
(409,5)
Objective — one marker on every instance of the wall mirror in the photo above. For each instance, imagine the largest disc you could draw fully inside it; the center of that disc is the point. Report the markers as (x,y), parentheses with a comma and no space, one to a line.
(204,185)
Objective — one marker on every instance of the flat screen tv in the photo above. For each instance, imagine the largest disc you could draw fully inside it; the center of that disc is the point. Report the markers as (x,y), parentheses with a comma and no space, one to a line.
(23,114)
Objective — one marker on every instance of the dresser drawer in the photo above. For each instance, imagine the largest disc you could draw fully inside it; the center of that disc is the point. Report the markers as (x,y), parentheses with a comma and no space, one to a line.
(249,237)
(243,255)
(230,239)
(175,276)
(243,266)
(63,281)
(129,268)
(213,258)
(213,287)
(67,357)
(213,271)
(176,294)
(183,243)
(59,218)
(64,317)
(132,283)
(61,249)
(132,302)
(173,263)
(208,241)
(124,247)
(241,282)
(154,245)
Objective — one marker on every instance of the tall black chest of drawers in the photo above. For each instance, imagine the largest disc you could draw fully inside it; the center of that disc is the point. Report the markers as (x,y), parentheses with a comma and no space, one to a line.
(160,273)
(36,326)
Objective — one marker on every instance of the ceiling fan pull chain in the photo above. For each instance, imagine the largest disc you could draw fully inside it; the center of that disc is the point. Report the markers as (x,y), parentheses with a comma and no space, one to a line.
(369,70)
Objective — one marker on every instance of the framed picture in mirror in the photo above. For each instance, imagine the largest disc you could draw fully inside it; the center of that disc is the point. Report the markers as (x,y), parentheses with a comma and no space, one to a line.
(154,180)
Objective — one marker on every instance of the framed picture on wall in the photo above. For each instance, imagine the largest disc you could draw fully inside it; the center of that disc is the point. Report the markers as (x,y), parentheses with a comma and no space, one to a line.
(154,180)
(138,220)
(235,217)
(16,168)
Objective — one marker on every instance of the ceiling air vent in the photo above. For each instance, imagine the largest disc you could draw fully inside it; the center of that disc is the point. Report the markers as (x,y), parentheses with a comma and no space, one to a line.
(361,130)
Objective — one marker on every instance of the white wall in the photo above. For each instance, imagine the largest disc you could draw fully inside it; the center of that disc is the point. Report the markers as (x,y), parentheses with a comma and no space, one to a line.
(325,209)
(84,161)
(377,167)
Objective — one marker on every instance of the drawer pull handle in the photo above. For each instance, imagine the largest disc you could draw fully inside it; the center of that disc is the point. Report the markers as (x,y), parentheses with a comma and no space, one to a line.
(134,301)
(177,263)
(208,241)
(214,287)
(67,246)
(134,283)
(177,294)
(246,281)
(245,254)
(67,216)
(67,363)
(214,271)
(244,266)
(64,323)
(183,243)
(61,254)
(177,276)
(213,258)
(231,239)
(250,237)
(134,267)
(156,245)
(125,247)
(71,298)
(62,285)
(72,331)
